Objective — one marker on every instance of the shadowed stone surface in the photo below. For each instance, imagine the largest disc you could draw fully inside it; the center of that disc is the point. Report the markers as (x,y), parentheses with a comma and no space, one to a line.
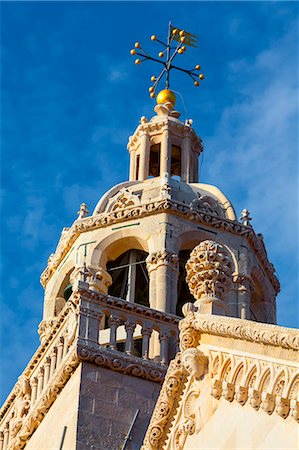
(108,403)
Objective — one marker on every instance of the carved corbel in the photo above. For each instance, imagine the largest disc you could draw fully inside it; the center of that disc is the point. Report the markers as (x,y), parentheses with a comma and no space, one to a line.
(194,362)
(268,402)
(228,391)
(282,406)
(294,409)
(255,399)
(216,389)
(241,395)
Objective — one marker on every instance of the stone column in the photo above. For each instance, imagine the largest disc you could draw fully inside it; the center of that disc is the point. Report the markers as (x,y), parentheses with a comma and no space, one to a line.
(132,165)
(6,435)
(99,280)
(144,156)
(165,161)
(245,288)
(33,384)
(209,276)
(47,369)
(186,154)
(165,266)
(163,269)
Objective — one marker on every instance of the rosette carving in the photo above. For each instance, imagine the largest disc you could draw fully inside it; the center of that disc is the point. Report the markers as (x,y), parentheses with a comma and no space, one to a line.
(209,272)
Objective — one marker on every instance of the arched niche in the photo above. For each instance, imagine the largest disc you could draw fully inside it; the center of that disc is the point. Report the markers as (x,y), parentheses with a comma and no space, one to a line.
(59,291)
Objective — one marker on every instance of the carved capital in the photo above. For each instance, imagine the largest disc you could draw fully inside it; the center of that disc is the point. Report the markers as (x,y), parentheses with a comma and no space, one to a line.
(209,272)
(241,394)
(243,283)
(45,328)
(163,258)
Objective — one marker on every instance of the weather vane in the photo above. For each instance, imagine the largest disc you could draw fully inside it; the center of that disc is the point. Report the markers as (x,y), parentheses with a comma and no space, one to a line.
(177,40)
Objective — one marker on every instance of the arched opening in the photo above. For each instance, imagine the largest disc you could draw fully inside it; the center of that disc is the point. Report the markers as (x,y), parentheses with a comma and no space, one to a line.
(184,294)
(130,277)
(175,169)
(154,161)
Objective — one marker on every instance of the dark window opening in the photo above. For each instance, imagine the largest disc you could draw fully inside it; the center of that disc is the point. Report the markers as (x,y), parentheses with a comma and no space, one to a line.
(184,294)
(175,161)
(68,292)
(154,163)
(137,166)
(130,277)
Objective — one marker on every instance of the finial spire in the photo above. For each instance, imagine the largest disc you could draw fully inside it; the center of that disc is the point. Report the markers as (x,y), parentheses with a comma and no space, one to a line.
(181,39)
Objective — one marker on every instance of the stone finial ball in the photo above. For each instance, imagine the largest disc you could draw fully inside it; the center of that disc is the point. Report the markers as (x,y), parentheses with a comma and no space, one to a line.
(166,96)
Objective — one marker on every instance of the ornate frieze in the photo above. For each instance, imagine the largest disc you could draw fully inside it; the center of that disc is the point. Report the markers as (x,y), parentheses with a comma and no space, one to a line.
(123,363)
(244,329)
(209,272)
(131,212)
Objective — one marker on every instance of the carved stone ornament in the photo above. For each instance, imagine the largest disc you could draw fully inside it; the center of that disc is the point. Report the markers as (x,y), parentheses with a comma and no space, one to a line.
(123,199)
(105,219)
(166,406)
(194,362)
(208,205)
(45,328)
(21,406)
(268,402)
(163,258)
(209,271)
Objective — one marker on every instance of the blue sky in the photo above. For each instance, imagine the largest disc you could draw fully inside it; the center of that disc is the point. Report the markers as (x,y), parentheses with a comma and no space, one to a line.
(71,97)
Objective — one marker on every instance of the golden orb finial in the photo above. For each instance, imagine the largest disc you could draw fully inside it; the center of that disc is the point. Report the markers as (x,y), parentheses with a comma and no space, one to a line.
(166,96)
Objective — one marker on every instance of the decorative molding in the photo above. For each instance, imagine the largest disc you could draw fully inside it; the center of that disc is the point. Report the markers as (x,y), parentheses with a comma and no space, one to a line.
(105,219)
(208,205)
(263,384)
(40,352)
(115,302)
(166,406)
(120,362)
(41,407)
(242,329)
(209,272)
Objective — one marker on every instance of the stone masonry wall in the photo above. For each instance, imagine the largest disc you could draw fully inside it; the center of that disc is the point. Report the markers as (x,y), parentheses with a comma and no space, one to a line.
(107,405)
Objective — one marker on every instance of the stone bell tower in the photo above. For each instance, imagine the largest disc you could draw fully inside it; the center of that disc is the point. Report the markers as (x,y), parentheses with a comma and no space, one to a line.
(115,288)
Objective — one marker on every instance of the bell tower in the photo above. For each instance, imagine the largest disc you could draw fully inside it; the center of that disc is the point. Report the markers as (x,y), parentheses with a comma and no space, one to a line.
(117,283)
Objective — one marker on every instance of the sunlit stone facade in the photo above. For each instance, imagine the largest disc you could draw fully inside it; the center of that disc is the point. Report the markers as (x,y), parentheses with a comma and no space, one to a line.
(115,291)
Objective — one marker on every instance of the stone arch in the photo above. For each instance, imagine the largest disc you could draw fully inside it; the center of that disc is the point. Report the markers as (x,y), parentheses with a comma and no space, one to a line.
(237,374)
(264,382)
(292,391)
(251,377)
(215,366)
(279,383)
(54,298)
(118,242)
(226,369)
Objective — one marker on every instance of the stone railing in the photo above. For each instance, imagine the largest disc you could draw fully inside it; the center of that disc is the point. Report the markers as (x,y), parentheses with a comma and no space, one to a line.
(118,325)
(93,327)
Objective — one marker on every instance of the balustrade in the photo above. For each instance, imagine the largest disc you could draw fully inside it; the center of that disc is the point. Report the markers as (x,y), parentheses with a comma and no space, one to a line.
(100,321)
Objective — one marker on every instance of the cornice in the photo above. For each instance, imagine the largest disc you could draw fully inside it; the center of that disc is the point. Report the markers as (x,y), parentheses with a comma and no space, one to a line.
(40,352)
(248,330)
(163,205)
(120,362)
